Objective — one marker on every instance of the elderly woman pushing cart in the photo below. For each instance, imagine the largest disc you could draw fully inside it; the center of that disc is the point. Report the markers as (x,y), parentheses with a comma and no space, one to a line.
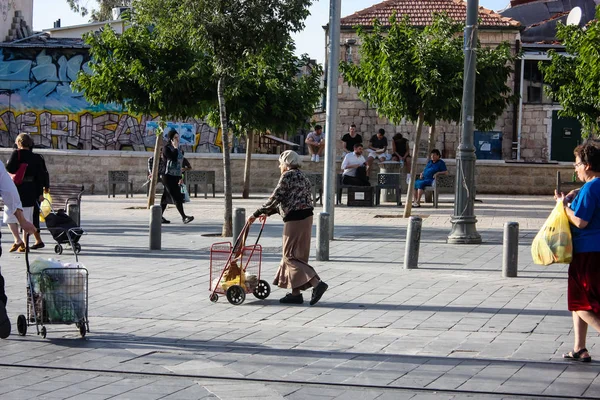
(292,199)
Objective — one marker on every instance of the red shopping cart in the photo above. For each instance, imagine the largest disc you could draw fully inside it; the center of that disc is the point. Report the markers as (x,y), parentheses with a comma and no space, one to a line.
(235,269)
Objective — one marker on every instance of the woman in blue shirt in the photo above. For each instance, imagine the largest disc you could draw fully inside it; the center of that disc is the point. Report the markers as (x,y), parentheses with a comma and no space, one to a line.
(435,166)
(583,210)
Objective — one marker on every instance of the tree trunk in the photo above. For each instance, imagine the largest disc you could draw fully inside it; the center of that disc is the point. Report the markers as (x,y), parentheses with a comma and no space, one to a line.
(249,151)
(155,164)
(227,223)
(413,167)
(431,143)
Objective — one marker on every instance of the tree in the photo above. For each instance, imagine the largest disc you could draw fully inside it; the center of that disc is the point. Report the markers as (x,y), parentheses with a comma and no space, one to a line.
(228,31)
(271,95)
(104,13)
(146,74)
(574,78)
(417,74)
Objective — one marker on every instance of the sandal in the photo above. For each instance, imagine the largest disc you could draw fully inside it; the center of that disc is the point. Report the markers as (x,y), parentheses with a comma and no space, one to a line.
(416,205)
(576,355)
(16,246)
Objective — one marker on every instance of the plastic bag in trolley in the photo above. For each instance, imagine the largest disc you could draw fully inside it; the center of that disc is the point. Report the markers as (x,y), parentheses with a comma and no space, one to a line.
(553,243)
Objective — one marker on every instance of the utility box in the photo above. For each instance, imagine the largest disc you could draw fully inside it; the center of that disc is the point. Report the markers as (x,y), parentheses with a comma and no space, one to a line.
(488,145)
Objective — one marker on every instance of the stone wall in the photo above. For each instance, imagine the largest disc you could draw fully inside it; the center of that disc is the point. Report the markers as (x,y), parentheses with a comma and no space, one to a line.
(91,168)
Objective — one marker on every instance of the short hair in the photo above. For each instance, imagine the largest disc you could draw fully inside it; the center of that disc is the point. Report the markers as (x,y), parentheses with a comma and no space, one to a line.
(357,145)
(172,134)
(381,131)
(436,151)
(352,125)
(25,140)
(317,127)
(398,136)
(589,153)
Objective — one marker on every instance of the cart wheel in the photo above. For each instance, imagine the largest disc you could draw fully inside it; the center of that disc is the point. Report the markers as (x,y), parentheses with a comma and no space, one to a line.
(58,249)
(262,290)
(43,332)
(77,248)
(22,325)
(236,295)
(214,297)
(82,330)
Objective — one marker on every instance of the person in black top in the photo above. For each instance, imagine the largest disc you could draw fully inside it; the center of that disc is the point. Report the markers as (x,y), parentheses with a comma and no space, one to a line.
(350,139)
(377,149)
(171,179)
(401,152)
(31,190)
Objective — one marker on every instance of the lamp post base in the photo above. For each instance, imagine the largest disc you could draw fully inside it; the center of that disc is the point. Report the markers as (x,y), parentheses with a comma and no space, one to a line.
(464,231)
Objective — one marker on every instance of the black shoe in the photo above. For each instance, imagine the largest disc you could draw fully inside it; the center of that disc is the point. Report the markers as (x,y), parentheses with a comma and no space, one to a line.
(317,292)
(291,299)
(165,221)
(188,219)
(4,322)
(38,246)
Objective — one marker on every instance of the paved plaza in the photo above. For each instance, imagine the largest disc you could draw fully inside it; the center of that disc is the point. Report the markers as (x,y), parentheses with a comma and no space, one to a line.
(451,329)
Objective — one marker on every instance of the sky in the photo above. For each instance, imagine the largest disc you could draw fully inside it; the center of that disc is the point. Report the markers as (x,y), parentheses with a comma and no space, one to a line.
(311,40)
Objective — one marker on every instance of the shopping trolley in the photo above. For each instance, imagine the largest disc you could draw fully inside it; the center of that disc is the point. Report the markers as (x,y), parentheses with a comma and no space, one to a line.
(235,269)
(55,296)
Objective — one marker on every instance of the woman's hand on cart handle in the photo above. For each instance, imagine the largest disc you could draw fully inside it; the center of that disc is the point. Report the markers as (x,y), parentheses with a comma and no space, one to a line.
(251,219)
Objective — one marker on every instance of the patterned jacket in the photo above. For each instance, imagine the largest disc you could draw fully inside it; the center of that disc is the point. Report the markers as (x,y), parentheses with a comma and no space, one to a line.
(293,193)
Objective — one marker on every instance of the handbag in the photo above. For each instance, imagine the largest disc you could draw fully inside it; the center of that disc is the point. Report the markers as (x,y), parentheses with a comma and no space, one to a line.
(18,176)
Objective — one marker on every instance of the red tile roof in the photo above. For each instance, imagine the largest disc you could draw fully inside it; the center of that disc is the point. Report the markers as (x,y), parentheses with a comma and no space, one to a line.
(420,13)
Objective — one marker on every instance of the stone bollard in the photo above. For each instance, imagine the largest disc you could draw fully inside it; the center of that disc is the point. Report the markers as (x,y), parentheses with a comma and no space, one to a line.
(413,240)
(155,227)
(73,212)
(510,250)
(323,237)
(239,220)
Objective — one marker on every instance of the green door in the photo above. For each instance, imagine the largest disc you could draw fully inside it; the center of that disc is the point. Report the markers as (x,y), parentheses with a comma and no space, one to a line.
(566,135)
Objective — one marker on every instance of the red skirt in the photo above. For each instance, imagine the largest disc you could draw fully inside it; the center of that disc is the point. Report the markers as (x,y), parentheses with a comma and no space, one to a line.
(584,282)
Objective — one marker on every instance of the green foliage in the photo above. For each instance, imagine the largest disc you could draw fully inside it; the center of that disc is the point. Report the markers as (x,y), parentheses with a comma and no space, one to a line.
(147,75)
(404,70)
(574,79)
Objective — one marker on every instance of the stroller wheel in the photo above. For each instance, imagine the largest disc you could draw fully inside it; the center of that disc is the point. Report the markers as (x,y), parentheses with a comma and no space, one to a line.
(58,249)
(236,295)
(22,325)
(262,290)
(77,248)
(214,297)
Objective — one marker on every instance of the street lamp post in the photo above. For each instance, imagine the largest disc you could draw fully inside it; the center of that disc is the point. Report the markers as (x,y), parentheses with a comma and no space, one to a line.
(463,221)
(331,111)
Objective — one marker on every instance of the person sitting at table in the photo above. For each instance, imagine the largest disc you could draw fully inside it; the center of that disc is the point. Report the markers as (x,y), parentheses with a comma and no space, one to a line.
(435,167)
(377,149)
(401,152)
(354,166)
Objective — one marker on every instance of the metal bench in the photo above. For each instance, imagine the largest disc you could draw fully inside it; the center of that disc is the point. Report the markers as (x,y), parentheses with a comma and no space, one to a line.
(316,182)
(196,178)
(566,186)
(119,177)
(340,186)
(388,181)
(441,184)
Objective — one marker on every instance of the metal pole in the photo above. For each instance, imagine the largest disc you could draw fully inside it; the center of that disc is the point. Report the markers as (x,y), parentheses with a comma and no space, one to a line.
(463,221)
(331,111)
(323,237)
(413,240)
(155,227)
(510,250)
(239,220)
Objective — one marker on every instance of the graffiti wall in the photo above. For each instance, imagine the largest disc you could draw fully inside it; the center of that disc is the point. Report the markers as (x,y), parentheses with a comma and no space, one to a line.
(36,97)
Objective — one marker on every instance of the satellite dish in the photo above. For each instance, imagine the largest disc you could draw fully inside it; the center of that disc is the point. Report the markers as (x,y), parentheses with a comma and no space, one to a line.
(574,17)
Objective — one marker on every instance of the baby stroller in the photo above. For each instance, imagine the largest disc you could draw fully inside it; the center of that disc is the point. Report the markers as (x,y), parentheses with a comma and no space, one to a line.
(64,231)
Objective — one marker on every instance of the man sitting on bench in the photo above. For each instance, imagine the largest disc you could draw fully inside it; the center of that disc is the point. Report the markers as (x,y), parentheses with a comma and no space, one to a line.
(354,166)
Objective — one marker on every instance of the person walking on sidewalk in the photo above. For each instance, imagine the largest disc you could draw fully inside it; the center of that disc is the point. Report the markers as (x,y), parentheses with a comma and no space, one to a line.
(583,210)
(292,199)
(171,179)
(12,206)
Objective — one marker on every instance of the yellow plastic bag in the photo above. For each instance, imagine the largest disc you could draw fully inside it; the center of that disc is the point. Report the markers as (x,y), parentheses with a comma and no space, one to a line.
(45,207)
(553,243)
